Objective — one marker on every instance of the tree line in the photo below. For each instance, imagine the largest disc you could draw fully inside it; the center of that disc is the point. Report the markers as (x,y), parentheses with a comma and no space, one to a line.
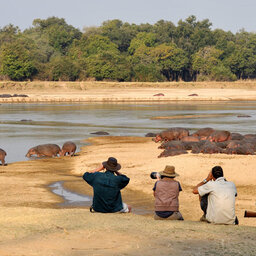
(52,50)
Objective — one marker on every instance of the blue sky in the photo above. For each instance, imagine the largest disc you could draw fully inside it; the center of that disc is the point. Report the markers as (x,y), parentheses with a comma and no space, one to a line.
(230,15)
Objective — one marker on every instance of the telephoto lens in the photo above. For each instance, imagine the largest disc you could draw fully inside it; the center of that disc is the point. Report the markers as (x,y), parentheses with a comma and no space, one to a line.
(154,175)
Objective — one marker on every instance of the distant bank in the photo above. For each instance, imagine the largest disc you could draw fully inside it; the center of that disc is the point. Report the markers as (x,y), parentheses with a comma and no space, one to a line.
(90,91)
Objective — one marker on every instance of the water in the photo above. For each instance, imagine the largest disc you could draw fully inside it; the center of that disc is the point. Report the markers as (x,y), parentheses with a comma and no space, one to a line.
(57,123)
(70,198)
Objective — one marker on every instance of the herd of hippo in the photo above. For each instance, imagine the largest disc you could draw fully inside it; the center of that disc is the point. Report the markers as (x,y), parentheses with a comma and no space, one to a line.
(48,150)
(176,141)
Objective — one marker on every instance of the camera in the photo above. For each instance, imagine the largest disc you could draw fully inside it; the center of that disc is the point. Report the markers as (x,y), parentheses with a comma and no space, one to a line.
(155,175)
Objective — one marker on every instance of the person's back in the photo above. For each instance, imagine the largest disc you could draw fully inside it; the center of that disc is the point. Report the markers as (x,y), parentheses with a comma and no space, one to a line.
(166,193)
(217,198)
(221,201)
(107,186)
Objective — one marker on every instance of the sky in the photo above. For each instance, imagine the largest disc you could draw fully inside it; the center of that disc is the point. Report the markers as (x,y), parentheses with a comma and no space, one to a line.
(232,15)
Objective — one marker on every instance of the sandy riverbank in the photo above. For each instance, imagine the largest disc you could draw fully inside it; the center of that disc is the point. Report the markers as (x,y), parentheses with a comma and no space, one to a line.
(32,223)
(127,92)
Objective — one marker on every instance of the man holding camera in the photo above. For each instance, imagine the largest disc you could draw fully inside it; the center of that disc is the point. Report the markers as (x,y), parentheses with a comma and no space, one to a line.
(217,198)
(166,193)
(106,187)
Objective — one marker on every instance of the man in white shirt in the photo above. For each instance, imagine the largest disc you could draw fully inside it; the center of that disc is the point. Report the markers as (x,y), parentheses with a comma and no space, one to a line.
(217,198)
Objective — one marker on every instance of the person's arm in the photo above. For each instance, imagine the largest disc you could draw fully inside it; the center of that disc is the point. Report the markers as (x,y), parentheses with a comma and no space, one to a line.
(209,177)
(98,169)
(89,176)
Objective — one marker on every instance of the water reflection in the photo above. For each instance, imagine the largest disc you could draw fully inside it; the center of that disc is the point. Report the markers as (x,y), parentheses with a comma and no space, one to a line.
(57,123)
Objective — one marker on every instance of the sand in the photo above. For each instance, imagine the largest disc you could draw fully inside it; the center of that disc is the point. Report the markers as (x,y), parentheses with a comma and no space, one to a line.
(127,92)
(32,222)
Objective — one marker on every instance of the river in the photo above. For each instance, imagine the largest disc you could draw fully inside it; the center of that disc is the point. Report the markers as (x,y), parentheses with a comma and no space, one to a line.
(23,126)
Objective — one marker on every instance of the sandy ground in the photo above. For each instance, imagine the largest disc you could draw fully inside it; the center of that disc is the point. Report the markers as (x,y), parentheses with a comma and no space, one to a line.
(32,222)
(127,92)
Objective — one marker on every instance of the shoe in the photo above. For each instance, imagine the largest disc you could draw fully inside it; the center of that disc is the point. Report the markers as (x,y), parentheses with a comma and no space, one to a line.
(203,218)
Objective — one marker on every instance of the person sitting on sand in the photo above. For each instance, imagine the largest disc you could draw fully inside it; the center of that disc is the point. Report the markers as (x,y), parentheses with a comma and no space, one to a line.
(166,193)
(106,187)
(217,198)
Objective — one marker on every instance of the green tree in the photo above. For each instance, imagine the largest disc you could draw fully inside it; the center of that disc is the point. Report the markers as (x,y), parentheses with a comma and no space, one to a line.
(171,59)
(15,62)
(209,66)
(60,34)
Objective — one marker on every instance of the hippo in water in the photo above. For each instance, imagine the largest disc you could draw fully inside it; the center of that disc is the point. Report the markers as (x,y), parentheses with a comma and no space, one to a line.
(2,156)
(69,148)
(219,136)
(175,133)
(44,150)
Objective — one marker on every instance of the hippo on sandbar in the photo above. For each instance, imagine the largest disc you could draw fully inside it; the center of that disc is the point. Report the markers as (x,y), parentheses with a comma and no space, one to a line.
(172,152)
(2,156)
(219,136)
(174,144)
(69,148)
(49,150)
(203,133)
(175,133)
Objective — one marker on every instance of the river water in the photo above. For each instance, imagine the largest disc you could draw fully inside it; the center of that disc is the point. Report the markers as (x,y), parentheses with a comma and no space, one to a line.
(23,126)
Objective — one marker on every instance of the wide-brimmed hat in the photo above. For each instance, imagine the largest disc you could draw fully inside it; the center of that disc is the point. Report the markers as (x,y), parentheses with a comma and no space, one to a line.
(169,171)
(111,164)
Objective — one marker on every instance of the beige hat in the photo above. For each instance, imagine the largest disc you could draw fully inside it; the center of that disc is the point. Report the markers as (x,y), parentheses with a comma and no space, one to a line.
(169,171)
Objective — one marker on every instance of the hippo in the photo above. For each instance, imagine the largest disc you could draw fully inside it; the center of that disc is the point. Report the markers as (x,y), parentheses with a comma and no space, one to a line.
(203,133)
(210,148)
(236,136)
(2,156)
(240,150)
(172,152)
(234,143)
(174,144)
(189,145)
(219,136)
(100,133)
(250,136)
(44,150)
(150,134)
(159,94)
(190,139)
(175,133)
(68,147)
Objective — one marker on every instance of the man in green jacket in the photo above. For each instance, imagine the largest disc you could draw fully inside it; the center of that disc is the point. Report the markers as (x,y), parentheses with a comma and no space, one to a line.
(106,187)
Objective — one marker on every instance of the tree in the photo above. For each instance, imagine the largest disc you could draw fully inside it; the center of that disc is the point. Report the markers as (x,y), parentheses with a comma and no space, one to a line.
(60,34)
(61,68)
(208,65)
(15,62)
(171,59)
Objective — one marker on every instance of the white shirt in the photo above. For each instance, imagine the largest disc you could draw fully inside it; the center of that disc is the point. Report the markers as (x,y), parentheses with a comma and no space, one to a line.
(221,200)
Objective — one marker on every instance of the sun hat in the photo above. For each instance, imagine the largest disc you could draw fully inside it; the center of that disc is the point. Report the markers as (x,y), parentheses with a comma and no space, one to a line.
(111,164)
(169,171)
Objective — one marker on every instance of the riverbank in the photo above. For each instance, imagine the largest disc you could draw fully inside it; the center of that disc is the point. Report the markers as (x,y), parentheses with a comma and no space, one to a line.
(32,222)
(126,92)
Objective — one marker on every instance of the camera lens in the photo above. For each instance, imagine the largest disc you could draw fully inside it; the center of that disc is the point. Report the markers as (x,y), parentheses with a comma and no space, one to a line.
(154,175)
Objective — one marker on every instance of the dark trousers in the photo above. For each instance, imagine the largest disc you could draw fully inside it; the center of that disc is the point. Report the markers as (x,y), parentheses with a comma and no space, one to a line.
(204,203)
